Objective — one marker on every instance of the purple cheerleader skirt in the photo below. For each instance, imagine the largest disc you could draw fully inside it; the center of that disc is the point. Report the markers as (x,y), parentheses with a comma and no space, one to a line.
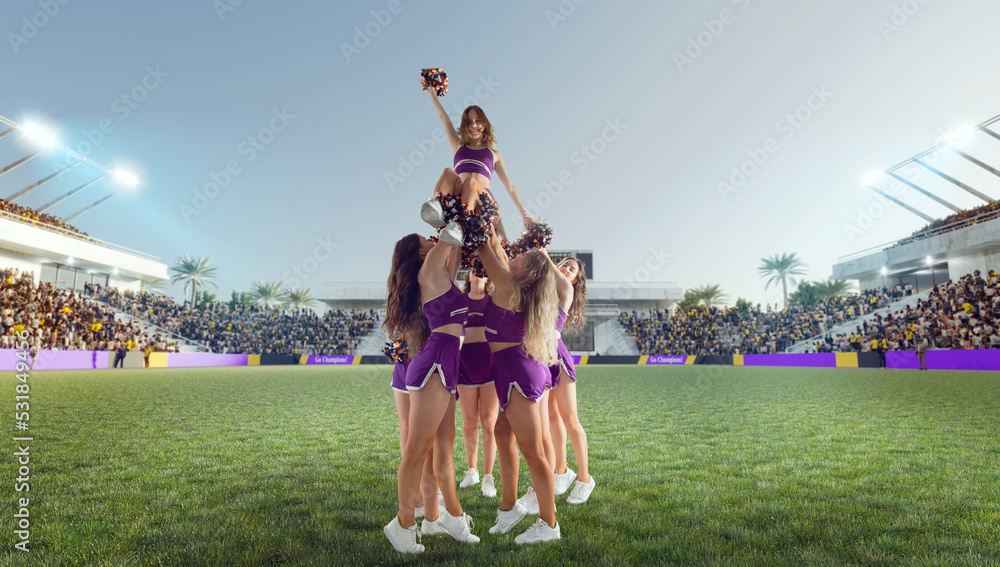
(440,355)
(399,377)
(513,368)
(565,363)
(475,368)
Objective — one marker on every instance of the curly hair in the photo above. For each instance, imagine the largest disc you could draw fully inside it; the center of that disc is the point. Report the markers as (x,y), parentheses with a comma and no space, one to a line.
(577,315)
(489,138)
(404,313)
(535,294)
(468,284)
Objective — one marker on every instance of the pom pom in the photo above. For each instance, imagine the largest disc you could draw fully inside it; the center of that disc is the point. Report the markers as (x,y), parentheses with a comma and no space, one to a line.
(538,235)
(397,350)
(434,78)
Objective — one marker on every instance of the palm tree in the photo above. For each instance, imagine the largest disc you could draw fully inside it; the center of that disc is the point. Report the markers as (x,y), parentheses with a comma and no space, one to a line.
(152,286)
(711,294)
(297,298)
(266,292)
(195,273)
(779,268)
(834,288)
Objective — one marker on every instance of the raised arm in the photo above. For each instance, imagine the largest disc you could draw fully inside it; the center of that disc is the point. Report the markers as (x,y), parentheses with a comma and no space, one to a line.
(433,276)
(449,128)
(563,284)
(454,259)
(495,261)
(500,167)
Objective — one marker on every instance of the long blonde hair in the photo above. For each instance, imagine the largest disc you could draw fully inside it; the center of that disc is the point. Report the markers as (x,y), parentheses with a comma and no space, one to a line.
(536,295)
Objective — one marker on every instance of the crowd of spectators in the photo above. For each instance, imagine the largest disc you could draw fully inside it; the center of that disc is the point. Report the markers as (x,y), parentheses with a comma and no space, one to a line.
(963,314)
(29,215)
(245,328)
(751,330)
(956,221)
(63,320)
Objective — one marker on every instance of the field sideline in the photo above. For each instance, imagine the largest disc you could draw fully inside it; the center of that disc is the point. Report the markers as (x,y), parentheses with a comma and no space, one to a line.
(694,466)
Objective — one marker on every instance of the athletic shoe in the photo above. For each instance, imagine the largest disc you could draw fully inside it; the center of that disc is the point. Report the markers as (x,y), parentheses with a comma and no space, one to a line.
(418,512)
(432,213)
(564,481)
(508,519)
(432,527)
(403,539)
(581,492)
(489,488)
(458,528)
(452,234)
(529,501)
(539,532)
(471,478)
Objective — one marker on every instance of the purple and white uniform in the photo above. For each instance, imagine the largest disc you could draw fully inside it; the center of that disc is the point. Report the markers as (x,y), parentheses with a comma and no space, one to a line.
(476,364)
(512,367)
(399,376)
(440,354)
(565,358)
(468,160)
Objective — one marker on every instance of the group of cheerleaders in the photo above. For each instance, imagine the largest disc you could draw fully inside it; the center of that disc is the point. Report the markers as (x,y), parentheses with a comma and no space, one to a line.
(512,371)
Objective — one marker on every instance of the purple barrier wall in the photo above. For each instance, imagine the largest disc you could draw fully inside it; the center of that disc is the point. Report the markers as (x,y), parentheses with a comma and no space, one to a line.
(666,359)
(576,359)
(822,359)
(199,359)
(330,359)
(902,359)
(61,359)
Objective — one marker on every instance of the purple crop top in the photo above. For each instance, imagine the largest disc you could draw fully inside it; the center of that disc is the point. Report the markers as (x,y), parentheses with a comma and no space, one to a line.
(446,309)
(502,325)
(477,310)
(474,161)
(561,320)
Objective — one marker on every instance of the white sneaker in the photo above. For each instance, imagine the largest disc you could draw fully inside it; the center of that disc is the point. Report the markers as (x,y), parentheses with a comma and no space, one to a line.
(458,528)
(581,492)
(452,234)
(403,539)
(529,501)
(539,532)
(508,519)
(564,481)
(432,213)
(489,487)
(471,478)
(418,512)
(432,527)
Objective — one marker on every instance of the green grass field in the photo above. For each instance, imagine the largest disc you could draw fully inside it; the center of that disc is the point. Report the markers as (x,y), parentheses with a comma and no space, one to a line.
(694,465)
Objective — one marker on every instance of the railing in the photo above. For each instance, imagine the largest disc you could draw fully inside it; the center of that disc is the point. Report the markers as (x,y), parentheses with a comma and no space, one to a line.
(958,224)
(79,236)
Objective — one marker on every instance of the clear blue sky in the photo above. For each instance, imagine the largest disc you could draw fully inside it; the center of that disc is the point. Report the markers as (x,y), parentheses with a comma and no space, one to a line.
(612,96)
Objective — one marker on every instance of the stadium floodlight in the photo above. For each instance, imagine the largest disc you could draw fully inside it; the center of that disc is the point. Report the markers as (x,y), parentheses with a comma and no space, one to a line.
(126,178)
(930,260)
(70,260)
(872,177)
(885,270)
(39,136)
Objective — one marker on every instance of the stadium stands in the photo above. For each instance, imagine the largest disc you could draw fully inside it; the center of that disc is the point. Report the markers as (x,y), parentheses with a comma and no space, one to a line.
(960,314)
(41,220)
(247,329)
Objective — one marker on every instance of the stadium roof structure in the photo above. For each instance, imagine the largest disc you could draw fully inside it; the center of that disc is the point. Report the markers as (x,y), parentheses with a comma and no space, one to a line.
(32,247)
